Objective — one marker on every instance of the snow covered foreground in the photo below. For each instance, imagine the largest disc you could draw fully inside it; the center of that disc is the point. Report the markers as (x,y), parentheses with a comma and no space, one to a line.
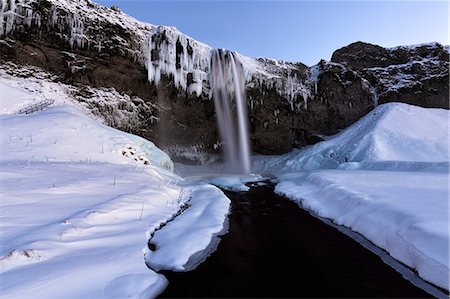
(80,200)
(385,177)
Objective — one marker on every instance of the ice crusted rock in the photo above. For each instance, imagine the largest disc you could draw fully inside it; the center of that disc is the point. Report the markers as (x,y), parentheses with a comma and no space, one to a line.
(174,54)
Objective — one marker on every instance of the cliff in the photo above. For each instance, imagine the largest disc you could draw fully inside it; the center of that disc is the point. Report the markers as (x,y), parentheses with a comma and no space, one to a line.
(154,80)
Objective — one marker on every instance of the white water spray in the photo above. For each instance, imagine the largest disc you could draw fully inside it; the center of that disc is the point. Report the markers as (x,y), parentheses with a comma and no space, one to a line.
(227,83)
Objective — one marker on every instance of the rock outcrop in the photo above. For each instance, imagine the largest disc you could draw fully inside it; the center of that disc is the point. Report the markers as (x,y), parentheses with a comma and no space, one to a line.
(165,76)
(415,75)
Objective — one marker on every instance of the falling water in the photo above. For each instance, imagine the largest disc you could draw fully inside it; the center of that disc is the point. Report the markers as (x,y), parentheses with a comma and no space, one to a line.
(227,82)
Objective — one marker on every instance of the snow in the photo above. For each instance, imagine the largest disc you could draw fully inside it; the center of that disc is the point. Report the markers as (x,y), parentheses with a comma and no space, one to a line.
(386,178)
(192,231)
(80,201)
(69,232)
(8,93)
(47,137)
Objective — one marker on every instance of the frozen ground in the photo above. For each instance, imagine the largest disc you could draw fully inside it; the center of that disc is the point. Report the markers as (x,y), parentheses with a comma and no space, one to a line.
(80,200)
(385,177)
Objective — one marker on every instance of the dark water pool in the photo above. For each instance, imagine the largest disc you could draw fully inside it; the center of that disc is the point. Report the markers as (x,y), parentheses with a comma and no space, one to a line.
(275,249)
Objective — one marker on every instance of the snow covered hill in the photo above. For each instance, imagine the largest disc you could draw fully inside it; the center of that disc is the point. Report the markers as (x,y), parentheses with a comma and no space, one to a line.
(391,132)
(386,178)
(80,201)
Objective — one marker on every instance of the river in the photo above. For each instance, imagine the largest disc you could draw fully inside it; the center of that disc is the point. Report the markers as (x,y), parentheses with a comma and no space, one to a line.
(276,249)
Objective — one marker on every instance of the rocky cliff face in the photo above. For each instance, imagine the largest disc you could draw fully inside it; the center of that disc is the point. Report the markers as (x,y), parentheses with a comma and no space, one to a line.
(155,80)
(416,75)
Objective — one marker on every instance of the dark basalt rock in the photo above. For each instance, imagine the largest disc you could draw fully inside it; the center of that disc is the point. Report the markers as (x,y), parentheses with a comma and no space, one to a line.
(416,75)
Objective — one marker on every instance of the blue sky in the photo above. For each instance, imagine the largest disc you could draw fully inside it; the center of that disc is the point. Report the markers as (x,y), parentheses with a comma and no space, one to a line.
(304,31)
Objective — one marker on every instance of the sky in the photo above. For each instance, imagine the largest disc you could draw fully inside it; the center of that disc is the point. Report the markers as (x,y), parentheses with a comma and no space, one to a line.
(300,31)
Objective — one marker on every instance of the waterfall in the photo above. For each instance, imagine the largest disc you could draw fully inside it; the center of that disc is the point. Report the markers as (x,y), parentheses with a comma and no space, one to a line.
(227,82)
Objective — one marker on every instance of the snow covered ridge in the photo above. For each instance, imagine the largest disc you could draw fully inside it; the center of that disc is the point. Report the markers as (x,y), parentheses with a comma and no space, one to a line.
(398,71)
(411,74)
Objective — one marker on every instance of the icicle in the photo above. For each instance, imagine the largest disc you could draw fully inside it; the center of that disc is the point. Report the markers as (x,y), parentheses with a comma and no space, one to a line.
(2,19)
(177,57)
(8,16)
(77,36)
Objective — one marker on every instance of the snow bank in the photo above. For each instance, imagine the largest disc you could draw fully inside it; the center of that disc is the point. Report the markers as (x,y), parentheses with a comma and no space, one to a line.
(75,230)
(391,132)
(63,133)
(405,213)
(184,242)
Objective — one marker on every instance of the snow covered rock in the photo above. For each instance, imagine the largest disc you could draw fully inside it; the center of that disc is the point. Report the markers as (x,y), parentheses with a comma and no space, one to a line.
(416,74)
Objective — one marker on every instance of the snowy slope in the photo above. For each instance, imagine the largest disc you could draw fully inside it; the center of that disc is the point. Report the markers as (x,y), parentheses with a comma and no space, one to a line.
(106,105)
(50,139)
(391,132)
(80,200)
(386,178)
(10,92)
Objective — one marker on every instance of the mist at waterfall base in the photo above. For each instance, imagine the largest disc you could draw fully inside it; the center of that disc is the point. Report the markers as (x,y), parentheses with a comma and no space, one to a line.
(227,83)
